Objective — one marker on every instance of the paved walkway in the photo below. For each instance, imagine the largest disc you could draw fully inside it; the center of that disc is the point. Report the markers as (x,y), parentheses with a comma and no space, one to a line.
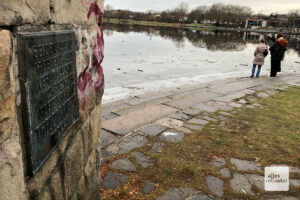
(126,125)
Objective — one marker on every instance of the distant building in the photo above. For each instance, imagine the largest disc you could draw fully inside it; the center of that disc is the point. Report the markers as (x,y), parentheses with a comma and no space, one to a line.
(297,23)
(277,20)
(256,23)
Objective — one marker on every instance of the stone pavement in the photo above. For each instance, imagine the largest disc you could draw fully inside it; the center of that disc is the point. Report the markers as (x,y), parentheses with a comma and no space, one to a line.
(169,115)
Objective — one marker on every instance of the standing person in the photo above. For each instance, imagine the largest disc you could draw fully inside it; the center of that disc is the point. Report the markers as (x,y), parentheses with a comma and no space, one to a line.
(260,53)
(277,53)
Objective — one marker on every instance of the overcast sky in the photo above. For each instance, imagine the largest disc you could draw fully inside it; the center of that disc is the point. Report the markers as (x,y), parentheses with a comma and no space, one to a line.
(264,6)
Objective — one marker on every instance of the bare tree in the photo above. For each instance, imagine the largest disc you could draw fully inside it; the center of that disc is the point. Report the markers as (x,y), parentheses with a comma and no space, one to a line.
(292,15)
(108,12)
(182,10)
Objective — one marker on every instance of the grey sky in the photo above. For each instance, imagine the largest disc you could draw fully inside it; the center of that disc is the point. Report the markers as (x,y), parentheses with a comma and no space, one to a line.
(265,6)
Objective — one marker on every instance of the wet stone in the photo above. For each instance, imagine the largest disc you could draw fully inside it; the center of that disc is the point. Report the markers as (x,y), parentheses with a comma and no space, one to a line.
(113,180)
(240,184)
(152,129)
(215,185)
(180,116)
(141,159)
(218,162)
(178,194)
(194,127)
(225,172)
(148,187)
(106,138)
(197,121)
(131,142)
(245,165)
(158,147)
(123,164)
(170,136)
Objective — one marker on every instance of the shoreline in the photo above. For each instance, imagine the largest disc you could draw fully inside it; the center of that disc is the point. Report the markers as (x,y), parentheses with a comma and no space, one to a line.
(207,27)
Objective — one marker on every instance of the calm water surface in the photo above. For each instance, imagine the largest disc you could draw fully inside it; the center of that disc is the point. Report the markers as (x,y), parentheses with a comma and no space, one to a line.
(142,59)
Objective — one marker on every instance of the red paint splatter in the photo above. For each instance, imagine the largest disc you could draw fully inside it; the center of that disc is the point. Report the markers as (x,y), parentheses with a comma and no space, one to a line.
(94,77)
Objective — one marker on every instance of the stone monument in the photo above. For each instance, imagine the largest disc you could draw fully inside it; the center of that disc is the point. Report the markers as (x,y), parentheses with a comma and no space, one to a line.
(51,86)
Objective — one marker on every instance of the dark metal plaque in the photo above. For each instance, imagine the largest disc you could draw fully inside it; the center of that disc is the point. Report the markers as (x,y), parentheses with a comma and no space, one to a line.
(48,80)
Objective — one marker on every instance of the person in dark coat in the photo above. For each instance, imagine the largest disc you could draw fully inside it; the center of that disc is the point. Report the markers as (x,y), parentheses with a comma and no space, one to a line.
(277,53)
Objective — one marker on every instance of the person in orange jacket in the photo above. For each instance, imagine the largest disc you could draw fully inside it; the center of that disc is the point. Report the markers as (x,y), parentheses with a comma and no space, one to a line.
(277,53)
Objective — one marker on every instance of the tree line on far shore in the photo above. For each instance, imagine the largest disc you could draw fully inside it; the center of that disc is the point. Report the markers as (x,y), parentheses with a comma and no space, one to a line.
(233,15)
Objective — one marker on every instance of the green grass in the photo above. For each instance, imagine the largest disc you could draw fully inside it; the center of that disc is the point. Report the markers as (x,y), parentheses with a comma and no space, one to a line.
(269,135)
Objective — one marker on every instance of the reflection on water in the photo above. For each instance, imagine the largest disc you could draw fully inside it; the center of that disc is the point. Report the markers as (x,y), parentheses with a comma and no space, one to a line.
(140,59)
(211,40)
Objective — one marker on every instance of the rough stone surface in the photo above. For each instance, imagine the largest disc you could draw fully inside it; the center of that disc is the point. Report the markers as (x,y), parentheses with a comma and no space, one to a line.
(131,142)
(141,159)
(200,197)
(218,162)
(123,164)
(11,172)
(158,147)
(256,180)
(73,167)
(192,99)
(126,123)
(295,182)
(213,106)
(18,12)
(215,185)
(245,164)
(178,194)
(183,129)
(192,111)
(240,184)
(170,123)
(180,116)
(242,101)
(225,172)
(171,136)
(236,105)
(152,129)
(278,197)
(106,138)
(262,95)
(113,180)
(68,12)
(194,127)
(209,118)
(197,121)
(148,187)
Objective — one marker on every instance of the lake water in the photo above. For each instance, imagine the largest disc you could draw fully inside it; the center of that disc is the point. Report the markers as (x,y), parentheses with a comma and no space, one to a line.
(142,59)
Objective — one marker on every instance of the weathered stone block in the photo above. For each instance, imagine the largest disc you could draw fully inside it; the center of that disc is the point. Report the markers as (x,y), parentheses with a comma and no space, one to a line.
(11,171)
(17,12)
(75,11)
(56,185)
(90,181)
(73,166)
